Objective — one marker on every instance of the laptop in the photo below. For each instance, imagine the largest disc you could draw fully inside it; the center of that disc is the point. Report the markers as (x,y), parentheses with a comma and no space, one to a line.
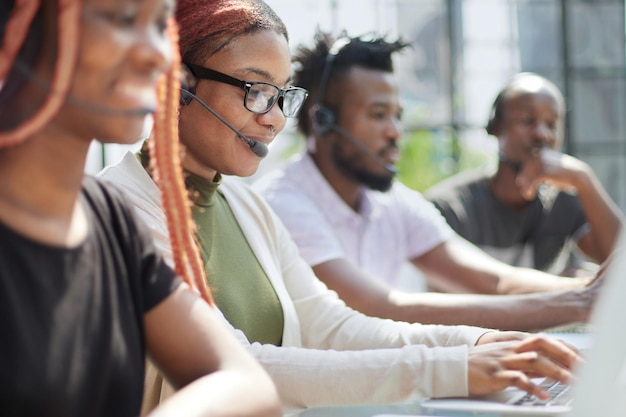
(600,386)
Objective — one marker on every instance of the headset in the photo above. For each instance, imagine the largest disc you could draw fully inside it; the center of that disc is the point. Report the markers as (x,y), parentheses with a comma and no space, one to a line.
(323,118)
(187,84)
(495,114)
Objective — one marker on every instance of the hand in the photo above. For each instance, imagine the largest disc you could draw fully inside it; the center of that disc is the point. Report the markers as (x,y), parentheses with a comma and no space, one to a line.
(589,292)
(498,336)
(548,166)
(601,272)
(495,366)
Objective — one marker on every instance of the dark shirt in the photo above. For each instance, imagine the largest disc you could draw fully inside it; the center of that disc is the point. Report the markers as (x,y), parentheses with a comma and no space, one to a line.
(71,320)
(541,235)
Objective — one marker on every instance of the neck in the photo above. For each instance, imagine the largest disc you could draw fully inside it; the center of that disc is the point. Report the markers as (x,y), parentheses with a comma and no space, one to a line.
(195,167)
(348,189)
(39,197)
(504,187)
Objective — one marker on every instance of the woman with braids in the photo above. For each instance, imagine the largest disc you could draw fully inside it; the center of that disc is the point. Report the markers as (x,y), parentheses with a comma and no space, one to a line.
(83,291)
(318,351)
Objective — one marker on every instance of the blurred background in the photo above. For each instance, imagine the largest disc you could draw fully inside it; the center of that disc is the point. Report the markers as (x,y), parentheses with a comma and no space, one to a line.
(463,52)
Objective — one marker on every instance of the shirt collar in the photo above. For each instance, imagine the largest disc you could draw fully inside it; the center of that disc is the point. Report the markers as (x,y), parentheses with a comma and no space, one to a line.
(202,191)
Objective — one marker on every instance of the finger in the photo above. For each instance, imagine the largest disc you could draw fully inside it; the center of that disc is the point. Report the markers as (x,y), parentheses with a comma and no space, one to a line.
(555,349)
(602,271)
(527,184)
(512,378)
(535,364)
(551,339)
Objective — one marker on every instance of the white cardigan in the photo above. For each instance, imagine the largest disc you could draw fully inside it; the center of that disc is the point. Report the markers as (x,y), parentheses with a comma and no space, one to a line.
(331,354)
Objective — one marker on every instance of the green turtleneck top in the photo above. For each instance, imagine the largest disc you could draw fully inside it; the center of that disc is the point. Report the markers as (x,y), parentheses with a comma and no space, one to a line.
(240,286)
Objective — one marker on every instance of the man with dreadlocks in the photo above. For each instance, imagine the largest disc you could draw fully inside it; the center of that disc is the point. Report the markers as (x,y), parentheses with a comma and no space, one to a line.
(83,291)
(357,227)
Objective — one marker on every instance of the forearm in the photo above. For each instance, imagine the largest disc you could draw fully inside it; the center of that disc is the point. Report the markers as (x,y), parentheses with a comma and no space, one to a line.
(460,267)
(513,312)
(604,217)
(223,394)
(350,376)
(525,281)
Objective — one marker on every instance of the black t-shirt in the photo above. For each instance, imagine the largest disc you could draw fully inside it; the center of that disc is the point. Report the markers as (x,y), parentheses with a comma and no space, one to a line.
(545,230)
(71,320)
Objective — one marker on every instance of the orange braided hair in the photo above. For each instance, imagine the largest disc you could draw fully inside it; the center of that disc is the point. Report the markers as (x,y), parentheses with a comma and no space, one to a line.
(164,148)
(167,173)
(15,33)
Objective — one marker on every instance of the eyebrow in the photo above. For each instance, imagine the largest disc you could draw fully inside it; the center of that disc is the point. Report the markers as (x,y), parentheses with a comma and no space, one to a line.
(385,105)
(262,73)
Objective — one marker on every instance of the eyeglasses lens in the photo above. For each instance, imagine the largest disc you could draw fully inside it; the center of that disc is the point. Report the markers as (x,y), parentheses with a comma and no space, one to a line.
(262,97)
(293,101)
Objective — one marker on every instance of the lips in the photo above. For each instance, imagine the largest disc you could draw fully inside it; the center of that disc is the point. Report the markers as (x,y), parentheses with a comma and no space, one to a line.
(263,139)
(392,154)
(141,96)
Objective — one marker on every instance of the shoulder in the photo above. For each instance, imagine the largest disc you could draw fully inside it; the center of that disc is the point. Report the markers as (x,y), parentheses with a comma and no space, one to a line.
(285,179)
(399,194)
(293,185)
(467,183)
(245,200)
(108,202)
(409,206)
(460,181)
(103,194)
(130,176)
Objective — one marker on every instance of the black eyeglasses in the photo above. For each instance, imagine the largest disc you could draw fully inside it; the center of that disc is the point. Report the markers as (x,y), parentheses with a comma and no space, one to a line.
(260,96)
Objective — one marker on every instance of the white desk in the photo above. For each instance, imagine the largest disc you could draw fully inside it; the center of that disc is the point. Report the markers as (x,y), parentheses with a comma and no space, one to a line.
(412,410)
(360,411)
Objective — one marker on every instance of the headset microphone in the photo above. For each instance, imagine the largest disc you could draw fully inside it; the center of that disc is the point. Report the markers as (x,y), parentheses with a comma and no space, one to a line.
(258,148)
(389,167)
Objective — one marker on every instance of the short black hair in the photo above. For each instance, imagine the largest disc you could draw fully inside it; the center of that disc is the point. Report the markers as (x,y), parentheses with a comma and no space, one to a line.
(517,81)
(375,52)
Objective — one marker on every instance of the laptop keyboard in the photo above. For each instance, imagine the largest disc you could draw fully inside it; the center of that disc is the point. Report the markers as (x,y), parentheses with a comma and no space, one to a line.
(560,394)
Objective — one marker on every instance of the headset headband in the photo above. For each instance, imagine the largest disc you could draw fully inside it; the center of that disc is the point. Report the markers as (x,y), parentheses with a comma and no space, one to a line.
(336,47)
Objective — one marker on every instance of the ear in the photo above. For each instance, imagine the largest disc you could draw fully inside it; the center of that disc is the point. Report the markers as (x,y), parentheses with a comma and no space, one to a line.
(187,84)
(494,127)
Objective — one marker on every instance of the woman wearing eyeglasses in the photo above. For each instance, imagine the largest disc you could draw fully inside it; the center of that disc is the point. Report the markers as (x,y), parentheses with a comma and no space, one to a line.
(318,351)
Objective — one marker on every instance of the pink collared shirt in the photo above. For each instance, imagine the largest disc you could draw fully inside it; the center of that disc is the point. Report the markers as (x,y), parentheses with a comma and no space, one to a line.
(391,228)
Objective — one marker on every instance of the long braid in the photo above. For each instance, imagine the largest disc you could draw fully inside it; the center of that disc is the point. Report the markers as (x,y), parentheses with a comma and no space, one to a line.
(166,170)
(14,36)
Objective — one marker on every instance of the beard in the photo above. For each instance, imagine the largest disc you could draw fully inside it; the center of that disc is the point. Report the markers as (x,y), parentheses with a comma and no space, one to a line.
(352,166)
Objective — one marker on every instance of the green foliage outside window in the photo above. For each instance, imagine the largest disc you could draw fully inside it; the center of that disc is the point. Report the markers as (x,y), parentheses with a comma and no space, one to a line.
(429,156)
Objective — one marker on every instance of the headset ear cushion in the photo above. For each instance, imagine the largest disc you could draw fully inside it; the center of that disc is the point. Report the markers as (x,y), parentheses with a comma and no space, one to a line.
(184,98)
(187,83)
(323,120)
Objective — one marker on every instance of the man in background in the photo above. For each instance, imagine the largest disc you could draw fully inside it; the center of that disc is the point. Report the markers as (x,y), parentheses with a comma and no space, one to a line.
(541,206)
(357,227)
